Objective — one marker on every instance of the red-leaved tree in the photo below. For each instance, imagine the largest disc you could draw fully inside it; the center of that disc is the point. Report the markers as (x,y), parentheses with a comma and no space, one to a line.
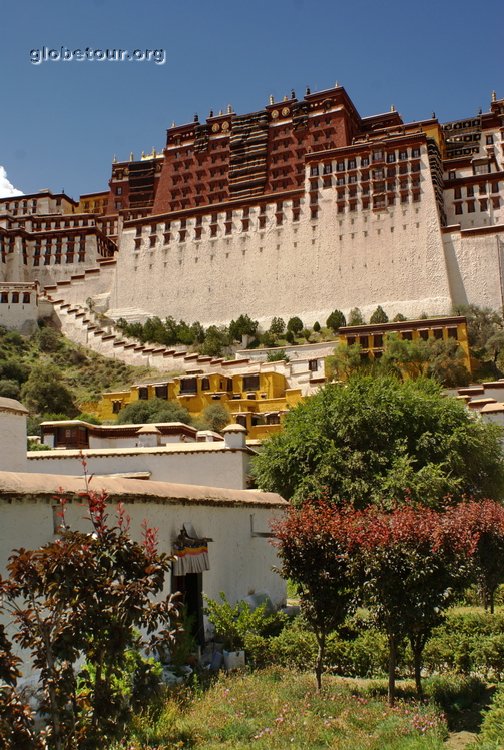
(484,522)
(409,567)
(86,596)
(313,547)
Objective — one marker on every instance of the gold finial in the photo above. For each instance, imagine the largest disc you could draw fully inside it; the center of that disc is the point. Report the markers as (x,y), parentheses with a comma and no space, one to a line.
(392,108)
(132,156)
(114,159)
(229,109)
(143,154)
(336,85)
(271,99)
(494,96)
(173,124)
(153,152)
(220,112)
(286,98)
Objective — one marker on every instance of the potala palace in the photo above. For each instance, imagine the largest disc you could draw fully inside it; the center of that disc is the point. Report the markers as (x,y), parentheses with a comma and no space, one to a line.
(297,209)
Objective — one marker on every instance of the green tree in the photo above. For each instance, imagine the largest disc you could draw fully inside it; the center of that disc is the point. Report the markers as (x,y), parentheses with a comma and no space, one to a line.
(277,327)
(46,391)
(379,316)
(243,326)
(49,339)
(345,361)
(295,325)
(399,318)
(216,417)
(216,340)
(316,326)
(355,317)
(9,389)
(336,320)
(152,411)
(374,439)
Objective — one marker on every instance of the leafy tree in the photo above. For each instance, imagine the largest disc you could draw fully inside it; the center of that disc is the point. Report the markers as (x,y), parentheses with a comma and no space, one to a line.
(307,334)
(312,546)
(277,327)
(355,317)
(14,369)
(268,339)
(446,363)
(345,361)
(482,324)
(379,316)
(87,595)
(216,417)
(46,391)
(370,439)
(290,337)
(216,339)
(316,326)
(295,325)
(9,389)
(484,522)
(399,318)
(16,720)
(243,326)
(49,339)
(336,320)
(152,411)
(410,570)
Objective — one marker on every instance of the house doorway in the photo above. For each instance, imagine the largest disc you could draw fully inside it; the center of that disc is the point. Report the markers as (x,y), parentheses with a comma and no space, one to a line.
(190,586)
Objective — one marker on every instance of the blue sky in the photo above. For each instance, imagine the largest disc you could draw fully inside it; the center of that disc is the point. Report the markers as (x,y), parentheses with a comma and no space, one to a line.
(61,122)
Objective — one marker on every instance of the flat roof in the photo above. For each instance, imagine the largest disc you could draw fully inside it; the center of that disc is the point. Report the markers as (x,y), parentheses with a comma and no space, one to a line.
(25,487)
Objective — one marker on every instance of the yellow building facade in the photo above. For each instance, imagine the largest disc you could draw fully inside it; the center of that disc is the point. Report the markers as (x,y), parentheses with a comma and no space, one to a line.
(372,337)
(257,401)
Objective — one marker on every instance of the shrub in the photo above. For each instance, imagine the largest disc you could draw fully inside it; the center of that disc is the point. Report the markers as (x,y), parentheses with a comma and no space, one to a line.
(316,326)
(279,354)
(492,728)
(233,623)
(216,417)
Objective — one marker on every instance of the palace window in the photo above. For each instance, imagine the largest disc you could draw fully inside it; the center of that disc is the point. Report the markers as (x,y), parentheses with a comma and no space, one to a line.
(470,190)
(352,164)
(391,157)
(470,207)
(452,333)
(26,298)
(415,153)
(458,208)
(457,193)
(365,161)
(403,155)
(251,382)
(143,394)
(161,391)
(489,140)
(340,166)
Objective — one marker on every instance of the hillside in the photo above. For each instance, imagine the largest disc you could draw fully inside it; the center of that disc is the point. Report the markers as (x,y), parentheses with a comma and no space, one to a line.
(52,375)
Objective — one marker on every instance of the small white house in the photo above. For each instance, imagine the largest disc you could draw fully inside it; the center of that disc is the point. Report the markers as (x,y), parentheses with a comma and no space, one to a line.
(230,527)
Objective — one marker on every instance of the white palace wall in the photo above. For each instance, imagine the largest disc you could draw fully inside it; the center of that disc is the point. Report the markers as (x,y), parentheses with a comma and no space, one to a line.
(393,257)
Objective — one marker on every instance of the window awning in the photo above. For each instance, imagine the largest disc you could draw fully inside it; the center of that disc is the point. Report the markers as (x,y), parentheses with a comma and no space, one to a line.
(190,552)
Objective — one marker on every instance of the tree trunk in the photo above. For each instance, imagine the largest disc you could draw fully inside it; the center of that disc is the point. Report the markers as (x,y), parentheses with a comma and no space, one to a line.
(321,639)
(417,656)
(392,669)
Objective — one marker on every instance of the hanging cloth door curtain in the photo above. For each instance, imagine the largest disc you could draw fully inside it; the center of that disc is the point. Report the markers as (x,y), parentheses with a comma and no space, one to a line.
(191,553)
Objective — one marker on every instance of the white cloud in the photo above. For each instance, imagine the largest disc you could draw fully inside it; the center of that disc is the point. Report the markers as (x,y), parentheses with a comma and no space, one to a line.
(6,188)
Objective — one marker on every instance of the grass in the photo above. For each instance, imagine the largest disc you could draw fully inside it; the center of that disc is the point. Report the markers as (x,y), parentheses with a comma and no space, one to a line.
(276,708)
